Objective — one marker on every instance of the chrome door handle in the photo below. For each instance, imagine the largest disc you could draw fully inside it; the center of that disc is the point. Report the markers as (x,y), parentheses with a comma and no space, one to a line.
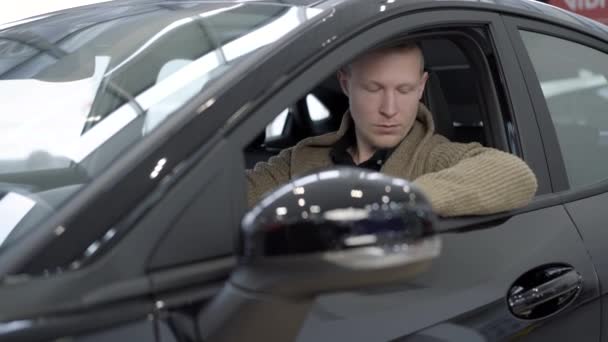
(523,301)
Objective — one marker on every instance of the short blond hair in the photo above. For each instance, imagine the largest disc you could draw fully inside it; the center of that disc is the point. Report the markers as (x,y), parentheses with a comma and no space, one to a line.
(401,46)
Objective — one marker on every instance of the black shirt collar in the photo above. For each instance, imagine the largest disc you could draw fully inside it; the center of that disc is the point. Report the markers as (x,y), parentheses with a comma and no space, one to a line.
(340,156)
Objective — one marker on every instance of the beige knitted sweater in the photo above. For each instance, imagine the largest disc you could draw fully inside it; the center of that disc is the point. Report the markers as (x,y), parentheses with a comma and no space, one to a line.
(459,179)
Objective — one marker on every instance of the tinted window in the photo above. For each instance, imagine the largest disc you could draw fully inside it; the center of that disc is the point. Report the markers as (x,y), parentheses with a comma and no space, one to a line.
(573,78)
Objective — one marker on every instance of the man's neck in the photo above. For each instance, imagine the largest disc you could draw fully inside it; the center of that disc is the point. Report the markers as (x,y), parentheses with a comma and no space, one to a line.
(361,151)
(361,154)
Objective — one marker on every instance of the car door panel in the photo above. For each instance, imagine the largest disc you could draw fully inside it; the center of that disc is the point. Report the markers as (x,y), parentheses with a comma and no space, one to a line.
(130,321)
(496,325)
(466,287)
(572,121)
(477,267)
(589,214)
(143,330)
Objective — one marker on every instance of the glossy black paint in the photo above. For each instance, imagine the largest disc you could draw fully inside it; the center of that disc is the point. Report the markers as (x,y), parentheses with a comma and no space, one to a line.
(322,211)
(464,291)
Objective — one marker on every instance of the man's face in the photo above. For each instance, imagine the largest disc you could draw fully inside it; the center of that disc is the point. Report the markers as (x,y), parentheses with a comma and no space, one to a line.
(384,89)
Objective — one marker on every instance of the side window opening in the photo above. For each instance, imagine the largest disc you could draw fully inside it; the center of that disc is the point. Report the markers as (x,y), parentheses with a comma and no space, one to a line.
(456,92)
(453,94)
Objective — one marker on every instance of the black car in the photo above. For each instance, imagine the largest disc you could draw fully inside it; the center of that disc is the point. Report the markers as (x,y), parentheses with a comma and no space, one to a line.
(127,127)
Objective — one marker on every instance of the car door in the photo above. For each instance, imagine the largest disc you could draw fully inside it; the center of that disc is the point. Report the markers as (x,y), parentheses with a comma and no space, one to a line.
(571,99)
(465,295)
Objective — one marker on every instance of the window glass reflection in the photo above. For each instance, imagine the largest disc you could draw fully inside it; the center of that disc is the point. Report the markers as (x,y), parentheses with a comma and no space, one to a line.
(574,83)
(78,90)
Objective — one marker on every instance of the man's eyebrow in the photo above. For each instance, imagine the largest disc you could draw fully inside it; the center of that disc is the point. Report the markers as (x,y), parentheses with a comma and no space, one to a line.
(407,84)
(370,82)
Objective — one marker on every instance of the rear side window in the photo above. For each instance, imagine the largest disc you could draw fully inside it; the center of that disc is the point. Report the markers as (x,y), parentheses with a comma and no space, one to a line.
(573,78)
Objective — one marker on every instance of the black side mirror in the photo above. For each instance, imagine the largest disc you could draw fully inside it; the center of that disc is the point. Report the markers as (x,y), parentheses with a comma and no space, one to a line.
(338,229)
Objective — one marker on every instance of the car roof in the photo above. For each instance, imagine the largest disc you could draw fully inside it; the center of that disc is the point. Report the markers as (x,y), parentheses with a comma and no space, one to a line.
(526,7)
(103,11)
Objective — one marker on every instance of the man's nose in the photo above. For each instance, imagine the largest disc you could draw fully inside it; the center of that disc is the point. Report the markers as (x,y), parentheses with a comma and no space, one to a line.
(389,106)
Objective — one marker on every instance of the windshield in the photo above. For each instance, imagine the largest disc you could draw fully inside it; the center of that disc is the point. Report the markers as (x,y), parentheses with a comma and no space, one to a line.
(80,88)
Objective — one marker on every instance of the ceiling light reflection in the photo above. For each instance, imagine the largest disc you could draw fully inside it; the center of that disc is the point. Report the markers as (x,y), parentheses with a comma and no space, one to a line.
(92,249)
(375,251)
(399,182)
(109,234)
(329,174)
(360,240)
(374,176)
(312,12)
(9,327)
(93,118)
(206,105)
(346,214)
(158,168)
(59,230)
(219,10)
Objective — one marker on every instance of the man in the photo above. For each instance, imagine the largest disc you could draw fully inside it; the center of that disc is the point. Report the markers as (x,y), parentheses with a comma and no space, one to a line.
(389,130)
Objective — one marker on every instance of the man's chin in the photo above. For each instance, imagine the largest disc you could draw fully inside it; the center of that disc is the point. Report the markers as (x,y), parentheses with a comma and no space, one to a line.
(387,144)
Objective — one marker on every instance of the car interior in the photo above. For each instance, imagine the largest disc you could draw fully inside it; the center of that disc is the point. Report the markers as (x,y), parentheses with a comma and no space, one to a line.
(456,93)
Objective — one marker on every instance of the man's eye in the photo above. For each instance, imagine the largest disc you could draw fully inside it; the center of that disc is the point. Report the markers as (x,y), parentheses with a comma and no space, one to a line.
(405,90)
(372,89)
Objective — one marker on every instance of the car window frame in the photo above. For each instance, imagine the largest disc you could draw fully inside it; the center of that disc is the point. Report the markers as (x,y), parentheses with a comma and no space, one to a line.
(462,17)
(555,160)
(527,131)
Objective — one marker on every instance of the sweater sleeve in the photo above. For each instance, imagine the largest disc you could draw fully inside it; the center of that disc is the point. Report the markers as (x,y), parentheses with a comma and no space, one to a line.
(266,176)
(469,179)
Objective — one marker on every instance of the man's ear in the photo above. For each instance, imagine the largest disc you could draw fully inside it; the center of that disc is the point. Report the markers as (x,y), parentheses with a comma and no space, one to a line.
(343,79)
(423,79)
